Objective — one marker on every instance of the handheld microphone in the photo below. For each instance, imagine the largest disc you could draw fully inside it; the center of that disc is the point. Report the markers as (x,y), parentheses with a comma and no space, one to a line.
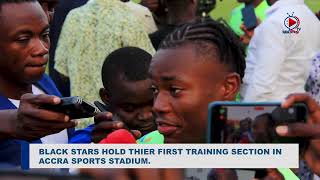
(120,136)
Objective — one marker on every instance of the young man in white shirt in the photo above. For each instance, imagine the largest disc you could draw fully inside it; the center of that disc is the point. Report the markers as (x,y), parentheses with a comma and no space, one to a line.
(280,52)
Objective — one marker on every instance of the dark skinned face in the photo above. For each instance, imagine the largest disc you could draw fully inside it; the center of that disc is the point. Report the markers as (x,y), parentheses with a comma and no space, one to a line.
(184,83)
(24,42)
(132,102)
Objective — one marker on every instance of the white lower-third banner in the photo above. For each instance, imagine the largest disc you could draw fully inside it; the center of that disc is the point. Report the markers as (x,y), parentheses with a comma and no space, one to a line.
(160,156)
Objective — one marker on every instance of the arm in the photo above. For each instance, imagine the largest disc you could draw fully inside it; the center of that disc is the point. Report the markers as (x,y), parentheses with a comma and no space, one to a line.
(7,119)
(310,130)
(29,122)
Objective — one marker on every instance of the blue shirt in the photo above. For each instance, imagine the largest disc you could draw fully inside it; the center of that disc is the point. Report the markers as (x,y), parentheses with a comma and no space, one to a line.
(82,136)
(10,150)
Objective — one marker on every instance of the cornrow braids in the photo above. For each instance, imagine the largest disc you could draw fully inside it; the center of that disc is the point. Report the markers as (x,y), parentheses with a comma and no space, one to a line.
(210,38)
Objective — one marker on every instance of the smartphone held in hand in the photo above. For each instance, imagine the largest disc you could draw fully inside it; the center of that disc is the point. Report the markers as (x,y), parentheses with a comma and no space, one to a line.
(75,107)
(249,17)
(233,122)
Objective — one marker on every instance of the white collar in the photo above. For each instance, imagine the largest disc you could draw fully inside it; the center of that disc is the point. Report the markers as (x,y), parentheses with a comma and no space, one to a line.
(281,4)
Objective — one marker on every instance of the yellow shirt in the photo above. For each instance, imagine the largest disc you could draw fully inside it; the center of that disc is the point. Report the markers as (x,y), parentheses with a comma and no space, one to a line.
(90,33)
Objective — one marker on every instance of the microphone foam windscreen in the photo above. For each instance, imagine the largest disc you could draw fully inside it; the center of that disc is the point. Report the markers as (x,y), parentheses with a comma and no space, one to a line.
(120,136)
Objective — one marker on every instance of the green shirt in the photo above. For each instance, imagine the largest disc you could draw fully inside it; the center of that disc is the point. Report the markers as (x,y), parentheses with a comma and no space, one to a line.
(287,174)
(89,34)
(236,16)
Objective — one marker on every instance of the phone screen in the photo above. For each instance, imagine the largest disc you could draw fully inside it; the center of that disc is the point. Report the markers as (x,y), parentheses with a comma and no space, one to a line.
(252,123)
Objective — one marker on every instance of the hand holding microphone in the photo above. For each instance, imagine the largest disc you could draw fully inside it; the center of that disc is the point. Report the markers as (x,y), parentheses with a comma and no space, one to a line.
(107,123)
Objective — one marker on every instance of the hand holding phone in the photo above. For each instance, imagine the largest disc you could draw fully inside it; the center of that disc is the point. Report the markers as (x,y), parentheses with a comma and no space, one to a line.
(303,124)
(311,129)
(232,122)
(249,17)
(31,122)
(75,107)
(106,123)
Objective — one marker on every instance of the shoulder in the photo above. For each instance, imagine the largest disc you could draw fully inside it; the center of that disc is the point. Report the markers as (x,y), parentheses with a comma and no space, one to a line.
(82,12)
(139,10)
(46,80)
(237,9)
(77,11)
(48,85)
(136,6)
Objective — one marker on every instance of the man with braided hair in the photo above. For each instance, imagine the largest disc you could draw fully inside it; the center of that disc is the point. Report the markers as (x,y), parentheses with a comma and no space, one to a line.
(198,63)
(280,51)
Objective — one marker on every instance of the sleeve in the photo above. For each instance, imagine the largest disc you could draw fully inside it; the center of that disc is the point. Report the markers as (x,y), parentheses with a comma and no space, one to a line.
(134,35)
(268,51)
(66,43)
(150,23)
(82,136)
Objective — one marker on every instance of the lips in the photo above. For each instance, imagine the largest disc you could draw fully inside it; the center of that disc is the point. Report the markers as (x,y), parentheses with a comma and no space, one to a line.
(36,65)
(146,126)
(167,128)
(39,62)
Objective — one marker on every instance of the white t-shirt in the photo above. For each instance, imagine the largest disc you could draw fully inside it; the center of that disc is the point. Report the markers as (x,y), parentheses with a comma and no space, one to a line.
(58,138)
(278,62)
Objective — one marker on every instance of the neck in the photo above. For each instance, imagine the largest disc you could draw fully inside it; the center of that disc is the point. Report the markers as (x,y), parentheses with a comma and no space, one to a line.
(312,158)
(175,18)
(13,90)
(257,2)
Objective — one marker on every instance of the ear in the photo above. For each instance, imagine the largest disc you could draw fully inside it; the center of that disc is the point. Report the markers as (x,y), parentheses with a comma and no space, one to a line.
(231,86)
(105,96)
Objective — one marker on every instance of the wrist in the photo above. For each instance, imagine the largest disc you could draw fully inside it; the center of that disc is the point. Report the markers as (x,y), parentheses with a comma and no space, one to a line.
(12,124)
(8,124)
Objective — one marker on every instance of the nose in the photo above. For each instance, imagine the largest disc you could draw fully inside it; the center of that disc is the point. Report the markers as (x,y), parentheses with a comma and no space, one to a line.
(146,113)
(161,103)
(40,48)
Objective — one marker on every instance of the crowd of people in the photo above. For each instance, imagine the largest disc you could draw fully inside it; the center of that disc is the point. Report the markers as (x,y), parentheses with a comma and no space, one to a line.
(155,65)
